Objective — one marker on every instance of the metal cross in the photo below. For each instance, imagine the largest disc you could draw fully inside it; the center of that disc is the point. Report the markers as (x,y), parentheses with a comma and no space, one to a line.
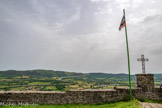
(142,59)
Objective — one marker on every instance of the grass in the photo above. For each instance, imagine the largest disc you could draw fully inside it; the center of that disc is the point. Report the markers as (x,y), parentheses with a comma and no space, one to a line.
(39,83)
(129,104)
(51,88)
(17,89)
(150,101)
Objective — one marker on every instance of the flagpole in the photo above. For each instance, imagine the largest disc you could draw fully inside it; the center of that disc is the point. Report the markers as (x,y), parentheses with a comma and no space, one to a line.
(128,57)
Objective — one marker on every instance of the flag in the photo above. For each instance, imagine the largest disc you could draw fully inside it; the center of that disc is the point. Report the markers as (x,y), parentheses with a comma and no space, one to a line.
(122,24)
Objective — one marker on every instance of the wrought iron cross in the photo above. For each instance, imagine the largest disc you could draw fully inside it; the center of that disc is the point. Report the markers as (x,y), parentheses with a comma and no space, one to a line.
(142,59)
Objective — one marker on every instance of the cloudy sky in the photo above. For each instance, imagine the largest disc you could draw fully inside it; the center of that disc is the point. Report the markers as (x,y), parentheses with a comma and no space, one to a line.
(80,35)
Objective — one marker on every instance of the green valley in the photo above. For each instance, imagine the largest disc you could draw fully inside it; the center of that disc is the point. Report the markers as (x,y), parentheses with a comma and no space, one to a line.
(50,80)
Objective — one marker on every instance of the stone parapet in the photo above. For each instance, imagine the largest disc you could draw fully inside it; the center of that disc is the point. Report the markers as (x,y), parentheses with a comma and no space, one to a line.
(93,96)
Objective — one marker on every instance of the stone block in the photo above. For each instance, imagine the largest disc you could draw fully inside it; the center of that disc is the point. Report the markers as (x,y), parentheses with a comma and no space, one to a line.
(146,82)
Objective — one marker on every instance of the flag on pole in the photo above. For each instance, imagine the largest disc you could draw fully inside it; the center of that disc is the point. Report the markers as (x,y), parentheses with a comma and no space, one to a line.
(122,24)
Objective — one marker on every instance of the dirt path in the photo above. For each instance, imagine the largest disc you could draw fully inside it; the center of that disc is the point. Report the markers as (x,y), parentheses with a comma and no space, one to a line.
(150,105)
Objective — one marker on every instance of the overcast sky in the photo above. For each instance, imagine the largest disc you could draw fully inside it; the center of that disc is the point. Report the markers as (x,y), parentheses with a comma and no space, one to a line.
(80,35)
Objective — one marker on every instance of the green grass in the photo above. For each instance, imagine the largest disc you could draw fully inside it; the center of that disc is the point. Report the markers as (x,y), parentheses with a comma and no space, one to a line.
(129,104)
(17,89)
(51,88)
(150,101)
(39,83)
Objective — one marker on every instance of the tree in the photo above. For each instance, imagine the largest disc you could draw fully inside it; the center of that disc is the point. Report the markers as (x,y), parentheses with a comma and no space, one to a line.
(60,87)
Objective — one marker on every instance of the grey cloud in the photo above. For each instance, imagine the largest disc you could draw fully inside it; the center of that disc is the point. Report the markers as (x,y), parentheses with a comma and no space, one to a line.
(78,35)
(157,51)
(146,39)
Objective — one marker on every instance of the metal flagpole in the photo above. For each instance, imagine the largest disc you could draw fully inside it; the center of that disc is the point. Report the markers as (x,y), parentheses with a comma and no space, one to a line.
(128,56)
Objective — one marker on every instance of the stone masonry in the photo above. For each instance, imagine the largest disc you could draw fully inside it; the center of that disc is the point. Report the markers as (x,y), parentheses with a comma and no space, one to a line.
(146,82)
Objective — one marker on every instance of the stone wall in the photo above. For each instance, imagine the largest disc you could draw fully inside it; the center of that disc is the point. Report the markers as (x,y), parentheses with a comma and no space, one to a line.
(155,95)
(146,82)
(70,97)
(76,96)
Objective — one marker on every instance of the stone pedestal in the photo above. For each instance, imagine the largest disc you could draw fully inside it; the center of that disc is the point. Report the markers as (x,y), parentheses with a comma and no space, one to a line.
(146,82)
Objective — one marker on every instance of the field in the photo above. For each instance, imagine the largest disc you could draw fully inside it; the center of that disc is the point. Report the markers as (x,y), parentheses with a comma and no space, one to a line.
(49,80)
(130,104)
